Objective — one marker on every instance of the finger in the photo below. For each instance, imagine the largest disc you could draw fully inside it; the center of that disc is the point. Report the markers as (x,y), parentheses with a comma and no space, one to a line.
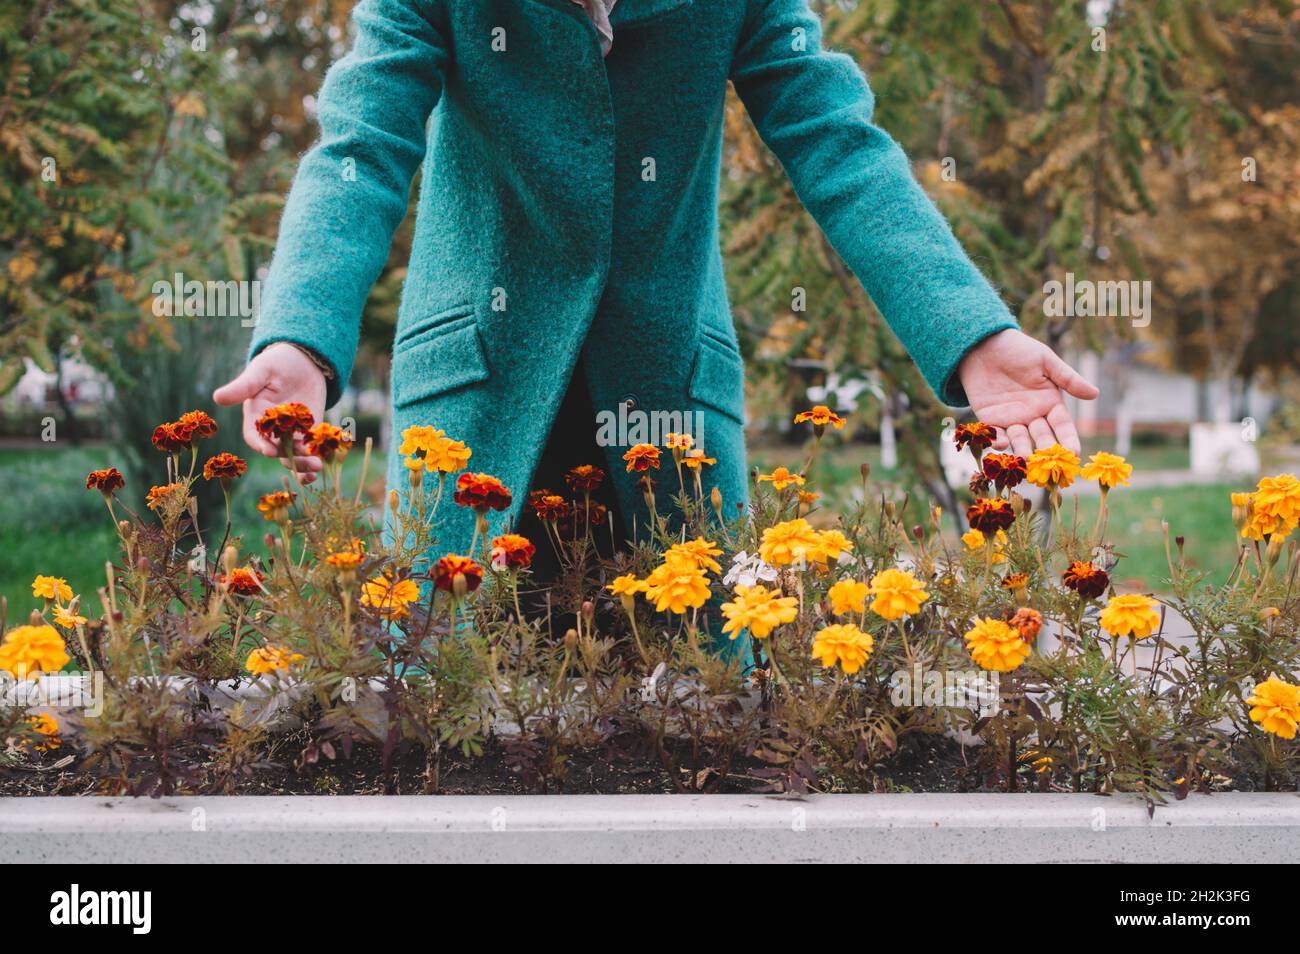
(250,381)
(252,411)
(1063,425)
(304,465)
(1020,442)
(1070,380)
(1041,433)
(1000,442)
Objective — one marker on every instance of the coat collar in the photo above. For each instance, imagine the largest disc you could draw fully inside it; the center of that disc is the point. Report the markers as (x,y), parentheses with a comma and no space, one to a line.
(627,11)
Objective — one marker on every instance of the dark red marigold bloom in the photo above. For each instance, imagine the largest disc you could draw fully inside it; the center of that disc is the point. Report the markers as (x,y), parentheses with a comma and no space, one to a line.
(1005,470)
(977,436)
(1086,578)
(585,478)
(224,467)
(481,493)
(105,481)
(282,421)
(988,515)
(446,571)
(548,506)
(243,581)
(979,484)
(169,438)
(197,424)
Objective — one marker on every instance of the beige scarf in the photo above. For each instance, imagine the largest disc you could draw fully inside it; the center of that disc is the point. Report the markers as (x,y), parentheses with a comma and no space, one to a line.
(599,11)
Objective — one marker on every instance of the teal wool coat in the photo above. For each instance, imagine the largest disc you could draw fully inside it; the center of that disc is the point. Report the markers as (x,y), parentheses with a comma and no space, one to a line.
(568,208)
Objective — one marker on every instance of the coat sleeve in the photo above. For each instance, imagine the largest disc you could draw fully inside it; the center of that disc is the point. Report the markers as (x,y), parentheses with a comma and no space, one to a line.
(351,189)
(813,109)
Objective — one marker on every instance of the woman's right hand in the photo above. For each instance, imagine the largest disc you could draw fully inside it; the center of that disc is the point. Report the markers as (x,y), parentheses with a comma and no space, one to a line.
(278,374)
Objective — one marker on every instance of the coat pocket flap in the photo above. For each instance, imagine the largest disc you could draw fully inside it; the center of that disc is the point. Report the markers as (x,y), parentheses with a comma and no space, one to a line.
(438,363)
(719,379)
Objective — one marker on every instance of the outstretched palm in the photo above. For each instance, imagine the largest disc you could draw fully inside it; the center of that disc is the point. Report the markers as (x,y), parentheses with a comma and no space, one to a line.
(1014,383)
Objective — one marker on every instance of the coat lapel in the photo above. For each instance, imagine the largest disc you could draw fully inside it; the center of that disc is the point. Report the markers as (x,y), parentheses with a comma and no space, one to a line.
(625,11)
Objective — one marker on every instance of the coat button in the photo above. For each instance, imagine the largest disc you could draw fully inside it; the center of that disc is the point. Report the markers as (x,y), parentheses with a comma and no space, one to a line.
(630,402)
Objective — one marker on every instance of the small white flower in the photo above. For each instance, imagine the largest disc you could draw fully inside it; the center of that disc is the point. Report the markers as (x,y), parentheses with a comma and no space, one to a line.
(747,570)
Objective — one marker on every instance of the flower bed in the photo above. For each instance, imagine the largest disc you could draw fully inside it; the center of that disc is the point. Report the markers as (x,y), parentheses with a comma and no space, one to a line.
(770,647)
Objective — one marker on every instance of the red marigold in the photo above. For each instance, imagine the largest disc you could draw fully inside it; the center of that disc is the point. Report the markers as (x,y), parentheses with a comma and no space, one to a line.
(512,551)
(988,515)
(242,581)
(548,506)
(169,438)
(580,514)
(196,424)
(327,441)
(1086,578)
(282,421)
(1005,470)
(105,481)
(453,568)
(642,457)
(976,435)
(585,478)
(481,493)
(224,467)
(979,484)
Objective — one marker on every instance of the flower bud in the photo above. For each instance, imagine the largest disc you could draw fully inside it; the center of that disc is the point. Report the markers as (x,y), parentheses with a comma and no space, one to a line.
(588,610)
(1275,544)
(459,586)
(715,498)
(570,640)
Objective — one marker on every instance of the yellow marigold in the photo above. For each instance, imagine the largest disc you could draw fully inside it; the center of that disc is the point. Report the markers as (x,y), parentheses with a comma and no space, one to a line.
(1052,466)
(1132,615)
(1275,705)
(696,458)
(626,585)
(265,660)
(447,456)
(158,496)
(848,596)
(52,588)
(345,559)
(677,585)
(975,540)
(275,506)
(759,610)
(1109,470)
(700,551)
(830,544)
(781,478)
(1278,498)
(419,440)
(392,600)
(68,619)
(819,417)
(29,650)
(790,542)
(996,645)
(845,644)
(46,725)
(897,593)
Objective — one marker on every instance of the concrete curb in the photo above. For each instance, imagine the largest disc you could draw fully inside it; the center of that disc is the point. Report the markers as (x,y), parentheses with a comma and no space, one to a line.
(1230,827)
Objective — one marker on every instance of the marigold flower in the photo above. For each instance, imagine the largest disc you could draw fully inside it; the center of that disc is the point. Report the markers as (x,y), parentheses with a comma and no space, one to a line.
(1005,470)
(830,544)
(759,610)
(447,456)
(792,541)
(275,506)
(327,441)
(819,417)
(848,596)
(585,478)
(157,497)
(419,440)
(68,618)
(548,506)
(1109,470)
(1015,581)
(1258,525)
(481,493)
(52,588)
(977,436)
(975,540)
(457,574)
(224,467)
(511,551)
(626,585)
(30,650)
(169,439)
(1133,615)
(1275,705)
(996,646)
(988,515)
(281,421)
(781,478)
(346,559)
(45,725)
(579,514)
(1027,622)
(105,481)
(642,457)
(1086,578)
(392,600)
(678,442)
(1053,466)
(696,458)
(677,585)
(699,551)
(196,425)
(979,484)
(265,660)
(1278,499)
(843,644)
(897,593)
(242,581)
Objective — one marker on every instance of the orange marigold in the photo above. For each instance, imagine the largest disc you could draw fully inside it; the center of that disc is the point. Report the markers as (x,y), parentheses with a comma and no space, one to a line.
(105,481)
(512,551)
(242,581)
(158,495)
(196,425)
(224,467)
(585,478)
(977,436)
(281,421)
(457,574)
(642,457)
(327,441)
(819,417)
(275,506)
(548,506)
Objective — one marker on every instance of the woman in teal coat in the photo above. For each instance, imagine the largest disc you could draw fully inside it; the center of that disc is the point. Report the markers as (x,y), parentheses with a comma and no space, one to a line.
(567,230)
